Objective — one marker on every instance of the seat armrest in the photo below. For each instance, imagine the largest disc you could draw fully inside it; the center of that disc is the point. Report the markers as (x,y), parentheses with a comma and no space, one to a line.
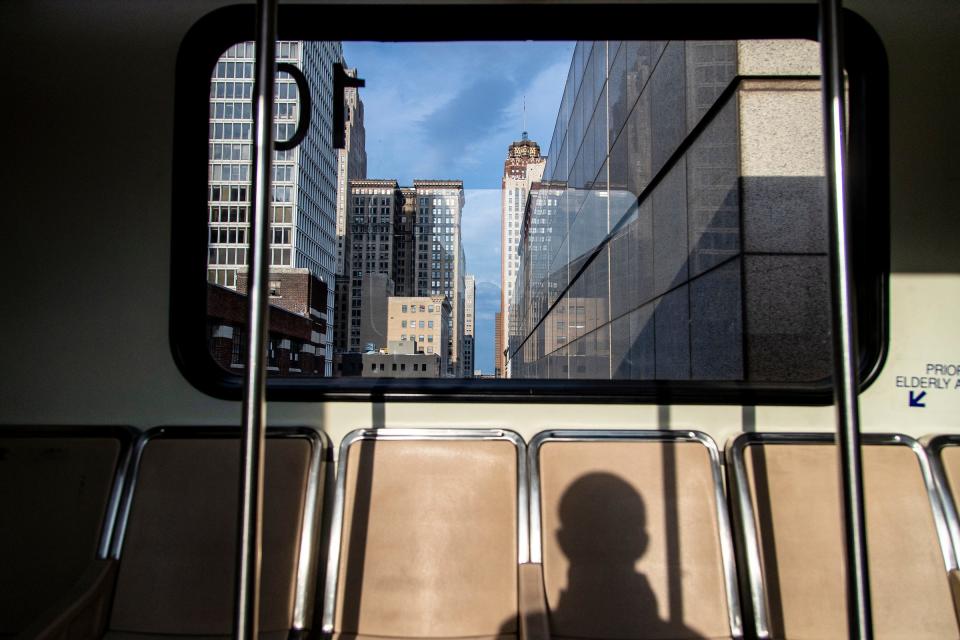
(82,612)
(533,603)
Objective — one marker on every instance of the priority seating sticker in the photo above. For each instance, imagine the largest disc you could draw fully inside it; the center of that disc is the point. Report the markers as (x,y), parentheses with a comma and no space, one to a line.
(924,386)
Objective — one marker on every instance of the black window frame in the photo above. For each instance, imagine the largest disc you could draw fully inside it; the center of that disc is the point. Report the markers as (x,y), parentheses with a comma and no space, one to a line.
(868,181)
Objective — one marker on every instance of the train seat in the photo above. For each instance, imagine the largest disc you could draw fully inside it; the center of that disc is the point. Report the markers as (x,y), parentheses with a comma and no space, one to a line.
(632,532)
(58,487)
(786,499)
(426,538)
(177,548)
(944,453)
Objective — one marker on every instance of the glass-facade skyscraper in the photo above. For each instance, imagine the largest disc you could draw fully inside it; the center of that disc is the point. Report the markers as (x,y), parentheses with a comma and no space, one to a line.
(679,230)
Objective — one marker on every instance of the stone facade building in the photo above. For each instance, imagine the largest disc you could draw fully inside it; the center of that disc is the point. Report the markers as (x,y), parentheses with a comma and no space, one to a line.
(524,166)
(420,321)
(410,236)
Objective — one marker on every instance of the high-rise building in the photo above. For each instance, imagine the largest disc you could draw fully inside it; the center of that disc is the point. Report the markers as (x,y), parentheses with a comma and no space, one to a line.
(351,163)
(523,166)
(405,244)
(680,235)
(411,235)
(440,263)
(375,212)
(303,215)
(469,334)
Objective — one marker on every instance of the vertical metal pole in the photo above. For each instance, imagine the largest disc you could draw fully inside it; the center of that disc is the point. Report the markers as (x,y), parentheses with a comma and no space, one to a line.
(247,601)
(845,350)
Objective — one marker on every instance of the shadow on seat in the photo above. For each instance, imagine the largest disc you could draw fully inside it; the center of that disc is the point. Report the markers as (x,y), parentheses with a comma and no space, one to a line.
(632,536)
(59,487)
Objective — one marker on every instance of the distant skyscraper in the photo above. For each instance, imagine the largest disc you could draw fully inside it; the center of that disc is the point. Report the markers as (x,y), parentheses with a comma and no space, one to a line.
(412,236)
(375,210)
(351,163)
(303,215)
(523,166)
(469,334)
(440,267)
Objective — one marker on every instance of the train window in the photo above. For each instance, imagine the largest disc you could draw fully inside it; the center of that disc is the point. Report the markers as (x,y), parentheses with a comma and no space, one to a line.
(633,213)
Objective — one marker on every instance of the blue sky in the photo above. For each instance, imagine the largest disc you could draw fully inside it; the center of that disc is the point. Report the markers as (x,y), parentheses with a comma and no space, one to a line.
(450,110)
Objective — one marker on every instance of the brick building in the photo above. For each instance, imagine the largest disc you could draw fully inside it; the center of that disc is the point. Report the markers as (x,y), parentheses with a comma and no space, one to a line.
(297,323)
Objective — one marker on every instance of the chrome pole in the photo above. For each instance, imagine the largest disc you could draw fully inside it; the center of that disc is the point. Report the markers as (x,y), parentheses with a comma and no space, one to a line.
(247,594)
(845,350)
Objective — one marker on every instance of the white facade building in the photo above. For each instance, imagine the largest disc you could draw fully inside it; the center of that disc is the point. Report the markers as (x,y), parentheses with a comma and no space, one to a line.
(303,216)
(523,166)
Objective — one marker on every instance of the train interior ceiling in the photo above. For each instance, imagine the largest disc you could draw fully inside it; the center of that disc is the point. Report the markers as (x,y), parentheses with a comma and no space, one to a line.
(655,461)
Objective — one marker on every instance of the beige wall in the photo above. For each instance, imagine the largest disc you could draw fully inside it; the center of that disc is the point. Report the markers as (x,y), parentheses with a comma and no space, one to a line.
(411,311)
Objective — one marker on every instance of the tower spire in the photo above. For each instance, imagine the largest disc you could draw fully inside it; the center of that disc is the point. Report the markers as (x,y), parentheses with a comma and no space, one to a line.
(524,136)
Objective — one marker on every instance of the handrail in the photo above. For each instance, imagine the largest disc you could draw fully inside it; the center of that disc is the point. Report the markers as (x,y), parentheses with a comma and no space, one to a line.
(843,325)
(247,593)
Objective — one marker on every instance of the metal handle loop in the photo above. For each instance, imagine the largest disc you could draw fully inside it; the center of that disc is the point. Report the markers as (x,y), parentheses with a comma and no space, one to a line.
(306,107)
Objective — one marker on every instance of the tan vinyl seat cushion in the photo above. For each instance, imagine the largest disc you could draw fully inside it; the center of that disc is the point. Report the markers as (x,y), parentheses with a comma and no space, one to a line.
(177,566)
(53,495)
(795,496)
(631,542)
(429,540)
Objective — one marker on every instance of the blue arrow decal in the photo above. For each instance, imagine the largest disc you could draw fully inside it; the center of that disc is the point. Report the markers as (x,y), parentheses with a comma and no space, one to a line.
(915,400)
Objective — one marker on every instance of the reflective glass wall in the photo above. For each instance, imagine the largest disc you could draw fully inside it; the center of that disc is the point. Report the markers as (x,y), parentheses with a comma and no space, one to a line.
(679,232)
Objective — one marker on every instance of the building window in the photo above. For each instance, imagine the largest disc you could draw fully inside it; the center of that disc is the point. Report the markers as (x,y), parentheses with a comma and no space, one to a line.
(237,355)
(273,353)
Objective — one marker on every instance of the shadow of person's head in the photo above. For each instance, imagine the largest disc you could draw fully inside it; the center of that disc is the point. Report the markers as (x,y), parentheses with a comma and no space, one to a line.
(602,523)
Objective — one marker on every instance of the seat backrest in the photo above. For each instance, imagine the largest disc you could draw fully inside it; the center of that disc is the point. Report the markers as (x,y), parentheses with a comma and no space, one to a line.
(179,541)
(429,541)
(632,531)
(790,519)
(56,487)
(944,452)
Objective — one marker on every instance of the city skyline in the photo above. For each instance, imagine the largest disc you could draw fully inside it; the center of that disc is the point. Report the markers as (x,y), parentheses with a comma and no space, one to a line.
(484,85)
